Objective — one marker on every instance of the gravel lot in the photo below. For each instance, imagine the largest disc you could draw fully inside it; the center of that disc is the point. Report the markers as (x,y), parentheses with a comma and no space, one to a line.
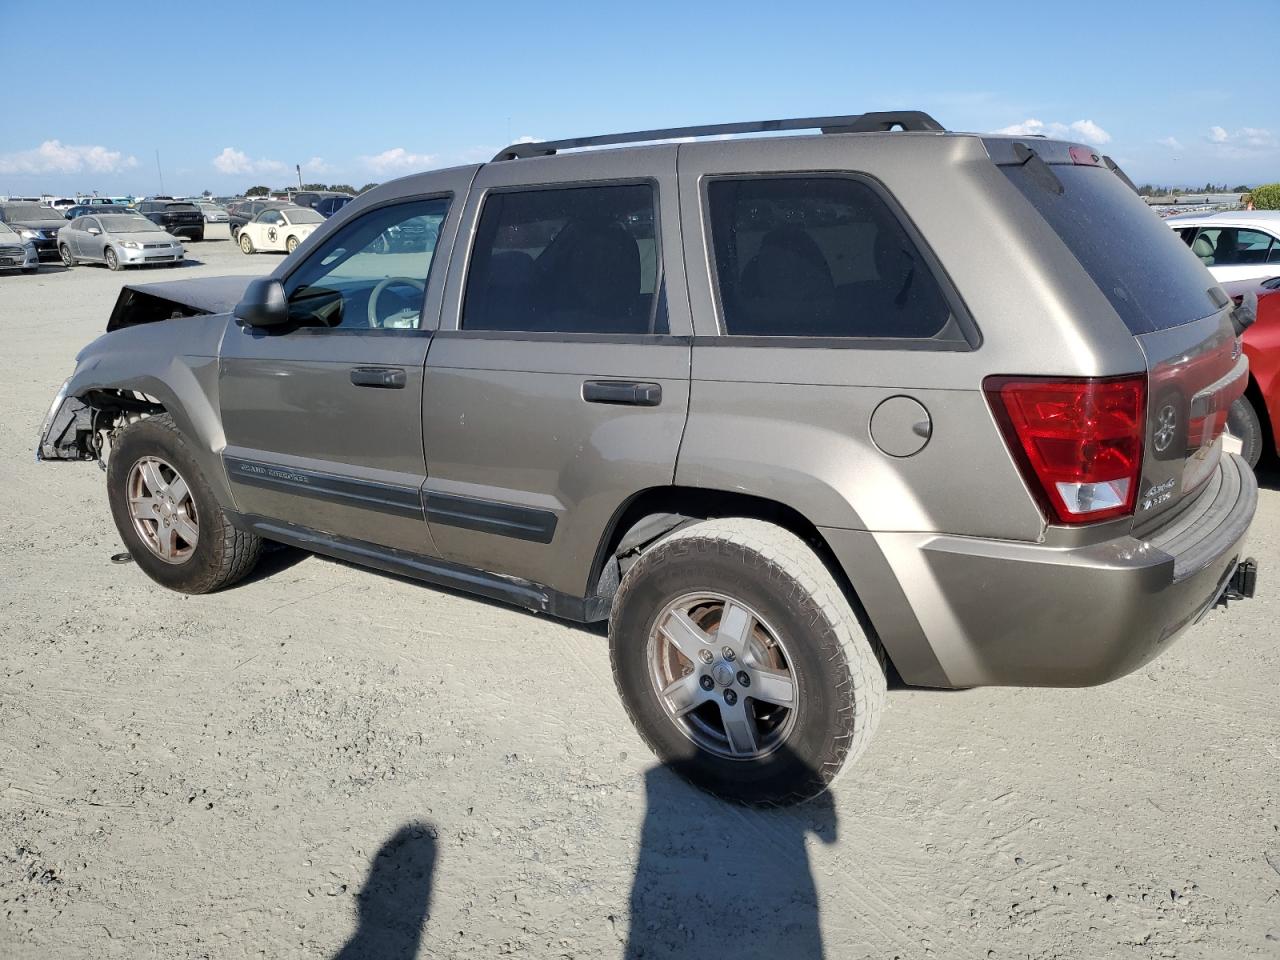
(324,761)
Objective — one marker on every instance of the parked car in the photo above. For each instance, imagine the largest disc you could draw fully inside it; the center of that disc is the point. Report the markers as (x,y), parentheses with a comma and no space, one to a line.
(16,252)
(84,209)
(119,240)
(763,405)
(328,206)
(178,217)
(62,205)
(1237,245)
(213,212)
(241,213)
(1255,417)
(312,198)
(36,223)
(281,229)
(181,218)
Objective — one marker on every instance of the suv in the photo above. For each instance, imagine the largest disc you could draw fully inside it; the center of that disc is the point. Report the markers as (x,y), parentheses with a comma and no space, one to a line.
(238,214)
(181,218)
(324,202)
(781,410)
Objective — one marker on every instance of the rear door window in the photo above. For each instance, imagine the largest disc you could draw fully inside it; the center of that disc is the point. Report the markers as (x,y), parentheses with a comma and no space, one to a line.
(1141,266)
(818,256)
(566,260)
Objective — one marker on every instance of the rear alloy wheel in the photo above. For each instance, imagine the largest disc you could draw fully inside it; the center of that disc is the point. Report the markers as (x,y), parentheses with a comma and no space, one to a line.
(246,244)
(1244,424)
(67,259)
(742,664)
(113,261)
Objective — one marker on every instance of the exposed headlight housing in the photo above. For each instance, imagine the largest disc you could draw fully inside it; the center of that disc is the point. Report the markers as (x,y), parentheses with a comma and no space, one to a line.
(26,234)
(130,244)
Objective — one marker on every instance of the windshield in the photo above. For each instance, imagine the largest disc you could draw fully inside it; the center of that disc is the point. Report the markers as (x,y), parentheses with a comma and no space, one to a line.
(6,230)
(28,213)
(303,216)
(123,223)
(1152,280)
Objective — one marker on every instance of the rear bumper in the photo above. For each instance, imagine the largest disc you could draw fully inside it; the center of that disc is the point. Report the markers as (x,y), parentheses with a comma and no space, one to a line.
(1001,612)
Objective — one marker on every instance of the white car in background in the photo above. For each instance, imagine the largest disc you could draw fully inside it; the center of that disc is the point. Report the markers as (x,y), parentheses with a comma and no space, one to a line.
(1240,245)
(278,229)
(17,252)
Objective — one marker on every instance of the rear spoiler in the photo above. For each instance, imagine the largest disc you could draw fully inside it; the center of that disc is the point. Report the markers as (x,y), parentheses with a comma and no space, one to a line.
(152,302)
(1014,151)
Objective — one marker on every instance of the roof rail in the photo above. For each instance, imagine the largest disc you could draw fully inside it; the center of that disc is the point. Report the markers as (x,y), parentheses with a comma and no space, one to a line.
(913,120)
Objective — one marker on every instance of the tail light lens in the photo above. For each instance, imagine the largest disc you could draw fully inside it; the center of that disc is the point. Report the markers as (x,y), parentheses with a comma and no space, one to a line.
(1078,441)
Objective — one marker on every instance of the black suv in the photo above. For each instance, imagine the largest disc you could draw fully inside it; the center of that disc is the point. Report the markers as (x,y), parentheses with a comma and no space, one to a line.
(323,202)
(241,213)
(179,217)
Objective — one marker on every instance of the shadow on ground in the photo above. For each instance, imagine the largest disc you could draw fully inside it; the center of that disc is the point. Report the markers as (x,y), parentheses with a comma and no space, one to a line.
(711,875)
(395,901)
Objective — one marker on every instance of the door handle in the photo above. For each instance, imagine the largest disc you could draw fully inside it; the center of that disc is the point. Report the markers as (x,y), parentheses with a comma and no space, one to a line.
(627,392)
(386,378)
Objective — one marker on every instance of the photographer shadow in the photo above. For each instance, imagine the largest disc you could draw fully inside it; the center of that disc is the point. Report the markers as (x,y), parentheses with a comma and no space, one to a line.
(715,878)
(396,898)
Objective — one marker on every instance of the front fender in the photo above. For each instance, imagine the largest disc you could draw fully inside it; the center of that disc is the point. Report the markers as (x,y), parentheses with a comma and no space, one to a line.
(176,363)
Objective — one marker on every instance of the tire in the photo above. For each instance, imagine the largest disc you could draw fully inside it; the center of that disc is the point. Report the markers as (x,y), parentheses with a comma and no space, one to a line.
(291,244)
(65,252)
(246,243)
(221,554)
(837,679)
(199,237)
(1243,422)
(113,261)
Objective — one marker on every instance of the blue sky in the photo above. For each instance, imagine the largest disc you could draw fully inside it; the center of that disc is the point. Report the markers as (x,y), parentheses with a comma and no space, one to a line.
(233,94)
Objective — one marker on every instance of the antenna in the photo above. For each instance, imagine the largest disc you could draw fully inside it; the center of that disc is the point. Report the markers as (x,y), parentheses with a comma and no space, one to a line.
(160,171)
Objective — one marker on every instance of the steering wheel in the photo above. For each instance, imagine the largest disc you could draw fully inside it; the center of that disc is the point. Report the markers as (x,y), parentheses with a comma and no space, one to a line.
(407,316)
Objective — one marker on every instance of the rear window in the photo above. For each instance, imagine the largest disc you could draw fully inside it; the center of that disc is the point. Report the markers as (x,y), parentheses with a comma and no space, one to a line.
(1141,266)
(180,207)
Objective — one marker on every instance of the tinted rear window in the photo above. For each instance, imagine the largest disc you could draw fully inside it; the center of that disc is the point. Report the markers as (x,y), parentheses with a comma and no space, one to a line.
(180,207)
(1147,273)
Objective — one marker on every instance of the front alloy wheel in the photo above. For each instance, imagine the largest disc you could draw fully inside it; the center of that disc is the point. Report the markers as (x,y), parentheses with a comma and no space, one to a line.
(113,261)
(164,515)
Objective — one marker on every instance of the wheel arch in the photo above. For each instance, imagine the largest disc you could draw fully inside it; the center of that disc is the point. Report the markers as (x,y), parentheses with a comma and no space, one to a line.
(1253,393)
(654,512)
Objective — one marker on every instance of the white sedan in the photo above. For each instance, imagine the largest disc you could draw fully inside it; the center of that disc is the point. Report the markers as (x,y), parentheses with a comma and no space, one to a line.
(281,229)
(1242,245)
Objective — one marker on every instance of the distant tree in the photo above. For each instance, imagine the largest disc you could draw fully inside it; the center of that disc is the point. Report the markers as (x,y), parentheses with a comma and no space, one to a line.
(258,191)
(367,186)
(342,188)
(206,193)
(1266,197)
(314,186)
(1240,188)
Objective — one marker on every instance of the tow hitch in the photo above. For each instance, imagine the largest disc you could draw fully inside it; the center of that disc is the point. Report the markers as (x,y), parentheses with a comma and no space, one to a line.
(1242,583)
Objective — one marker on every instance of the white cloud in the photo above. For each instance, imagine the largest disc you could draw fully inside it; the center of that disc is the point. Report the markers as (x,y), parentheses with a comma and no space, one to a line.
(54,156)
(1085,130)
(1218,135)
(397,160)
(1173,143)
(317,165)
(1243,143)
(233,161)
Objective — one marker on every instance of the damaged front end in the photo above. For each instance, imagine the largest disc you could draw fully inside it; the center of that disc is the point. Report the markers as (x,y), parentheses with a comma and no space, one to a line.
(76,429)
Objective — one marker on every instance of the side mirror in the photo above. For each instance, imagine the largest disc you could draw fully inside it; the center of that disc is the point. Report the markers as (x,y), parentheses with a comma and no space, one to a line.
(1245,313)
(95,231)
(263,304)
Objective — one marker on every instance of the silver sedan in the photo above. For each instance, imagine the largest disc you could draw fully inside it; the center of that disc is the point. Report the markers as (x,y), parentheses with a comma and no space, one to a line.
(118,240)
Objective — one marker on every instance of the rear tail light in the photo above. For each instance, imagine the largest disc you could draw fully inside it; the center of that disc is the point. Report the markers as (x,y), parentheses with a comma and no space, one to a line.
(1078,441)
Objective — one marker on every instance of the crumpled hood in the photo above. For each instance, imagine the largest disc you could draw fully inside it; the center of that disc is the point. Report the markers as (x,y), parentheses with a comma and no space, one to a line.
(152,302)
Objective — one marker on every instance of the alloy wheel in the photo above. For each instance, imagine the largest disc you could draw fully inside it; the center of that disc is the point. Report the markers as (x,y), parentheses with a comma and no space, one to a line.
(163,513)
(722,675)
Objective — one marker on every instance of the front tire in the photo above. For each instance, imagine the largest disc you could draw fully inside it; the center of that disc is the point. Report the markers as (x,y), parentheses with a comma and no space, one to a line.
(113,261)
(65,252)
(741,662)
(1243,422)
(167,515)
(291,244)
(246,244)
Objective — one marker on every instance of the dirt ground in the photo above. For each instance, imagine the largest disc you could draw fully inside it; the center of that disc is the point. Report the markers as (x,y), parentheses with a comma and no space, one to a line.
(328,762)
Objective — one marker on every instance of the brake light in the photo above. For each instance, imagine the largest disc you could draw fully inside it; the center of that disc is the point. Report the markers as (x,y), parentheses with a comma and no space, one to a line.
(1078,441)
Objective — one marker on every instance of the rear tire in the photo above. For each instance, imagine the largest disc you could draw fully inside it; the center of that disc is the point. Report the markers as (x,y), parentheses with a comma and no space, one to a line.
(794,614)
(142,510)
(1243,422)
(246,243)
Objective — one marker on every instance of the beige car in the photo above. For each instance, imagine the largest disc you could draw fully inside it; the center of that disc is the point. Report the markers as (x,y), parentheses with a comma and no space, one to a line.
(281,229)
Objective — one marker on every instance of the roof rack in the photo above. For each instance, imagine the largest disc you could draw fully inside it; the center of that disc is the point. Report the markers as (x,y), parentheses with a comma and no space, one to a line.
(911,120)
